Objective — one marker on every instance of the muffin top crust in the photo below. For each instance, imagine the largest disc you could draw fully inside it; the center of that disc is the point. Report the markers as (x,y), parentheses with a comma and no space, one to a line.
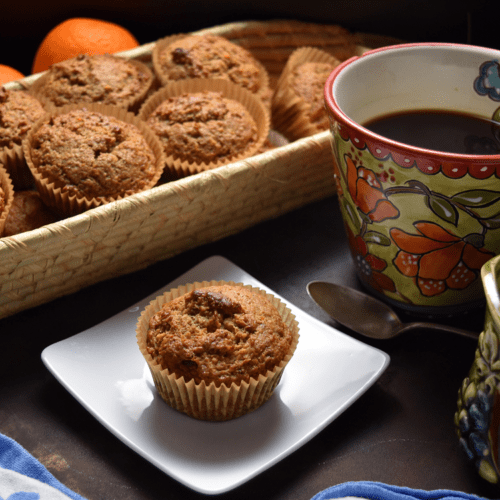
(27,212)
(223,334)
(210,56)
(94,78)
(203,127)
(308,81)
(90,154)
(18,111)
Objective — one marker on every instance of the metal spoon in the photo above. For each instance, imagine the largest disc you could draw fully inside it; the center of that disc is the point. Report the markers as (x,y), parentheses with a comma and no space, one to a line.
(367,315)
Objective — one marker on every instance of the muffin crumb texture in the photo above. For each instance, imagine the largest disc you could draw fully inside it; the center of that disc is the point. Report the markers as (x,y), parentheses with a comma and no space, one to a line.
(308,80)
(96,78)
(203,127)
(210,56)
(26,213)
(90,154)
(18,111)
(221,334)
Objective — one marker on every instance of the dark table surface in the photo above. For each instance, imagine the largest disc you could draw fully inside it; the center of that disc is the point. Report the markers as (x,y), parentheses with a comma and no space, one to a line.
(399,432)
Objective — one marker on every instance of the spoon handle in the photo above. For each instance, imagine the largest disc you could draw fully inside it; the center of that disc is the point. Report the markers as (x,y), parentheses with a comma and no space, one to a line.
(441,328)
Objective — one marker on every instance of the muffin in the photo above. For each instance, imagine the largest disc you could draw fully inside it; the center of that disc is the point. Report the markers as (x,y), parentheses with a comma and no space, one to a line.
(181,57)
(95,78)
(82,157)
(204,123)
(203,127)
(6,196)
(27,212)
(19,110)
(216,350)
(298,108)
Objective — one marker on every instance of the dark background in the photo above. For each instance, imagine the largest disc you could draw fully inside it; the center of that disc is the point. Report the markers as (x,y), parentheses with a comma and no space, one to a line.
(26,22)
(400,432)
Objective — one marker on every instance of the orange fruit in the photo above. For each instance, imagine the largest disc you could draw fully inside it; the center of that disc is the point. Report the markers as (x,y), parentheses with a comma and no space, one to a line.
(80,35)
(8,74)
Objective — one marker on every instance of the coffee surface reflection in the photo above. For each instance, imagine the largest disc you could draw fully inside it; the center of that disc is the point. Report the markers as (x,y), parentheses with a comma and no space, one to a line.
(447,131)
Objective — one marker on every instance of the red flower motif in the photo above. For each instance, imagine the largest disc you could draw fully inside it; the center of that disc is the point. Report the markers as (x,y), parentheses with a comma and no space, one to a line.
(367,193)
(438,259)
(369,266)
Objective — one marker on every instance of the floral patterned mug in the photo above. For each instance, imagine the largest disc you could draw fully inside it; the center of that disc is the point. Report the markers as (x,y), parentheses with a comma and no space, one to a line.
(420,222)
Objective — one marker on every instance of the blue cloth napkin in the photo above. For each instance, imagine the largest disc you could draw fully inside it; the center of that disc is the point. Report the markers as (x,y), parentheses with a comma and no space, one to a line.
(23,477)
(379,491)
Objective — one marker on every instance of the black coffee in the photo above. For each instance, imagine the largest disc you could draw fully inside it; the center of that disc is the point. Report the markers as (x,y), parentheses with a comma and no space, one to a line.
(447,131)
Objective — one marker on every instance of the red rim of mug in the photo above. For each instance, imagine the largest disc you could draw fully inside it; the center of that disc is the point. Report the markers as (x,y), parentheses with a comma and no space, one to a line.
(342,118)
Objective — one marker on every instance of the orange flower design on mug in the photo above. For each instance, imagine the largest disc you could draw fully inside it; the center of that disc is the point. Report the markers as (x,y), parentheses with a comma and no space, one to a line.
(438,259)
(368,194)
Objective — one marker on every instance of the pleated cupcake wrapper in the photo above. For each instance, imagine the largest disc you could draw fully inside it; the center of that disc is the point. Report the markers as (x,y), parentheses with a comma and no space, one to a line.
(264,91)
(289,111)
(41,265)
(132,104)
(229,90)
(52,191)
(210,402)
(8,188)
(17,168)
(15,163)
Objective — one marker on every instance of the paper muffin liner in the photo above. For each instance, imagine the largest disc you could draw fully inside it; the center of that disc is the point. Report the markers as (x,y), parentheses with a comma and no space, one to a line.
(8,189)
(210,402)
(264,91)
(15,163)
(290,113)
(229,90)
(52,191)
(17,168)
(131,104)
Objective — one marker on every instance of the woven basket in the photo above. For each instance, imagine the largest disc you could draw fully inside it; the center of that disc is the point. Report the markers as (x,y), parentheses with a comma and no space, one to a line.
(130,234)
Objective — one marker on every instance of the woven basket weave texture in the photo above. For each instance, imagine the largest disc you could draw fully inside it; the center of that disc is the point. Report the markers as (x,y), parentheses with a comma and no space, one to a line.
(130,234)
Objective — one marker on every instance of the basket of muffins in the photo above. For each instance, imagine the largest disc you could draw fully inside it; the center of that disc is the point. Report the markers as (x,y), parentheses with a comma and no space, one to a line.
(157,134)
(216,350)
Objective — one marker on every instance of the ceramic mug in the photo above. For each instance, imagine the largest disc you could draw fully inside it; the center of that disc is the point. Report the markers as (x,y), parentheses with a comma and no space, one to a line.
(420,222)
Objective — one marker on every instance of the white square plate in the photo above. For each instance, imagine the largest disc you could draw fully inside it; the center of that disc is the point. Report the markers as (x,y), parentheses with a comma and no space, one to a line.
(104,370)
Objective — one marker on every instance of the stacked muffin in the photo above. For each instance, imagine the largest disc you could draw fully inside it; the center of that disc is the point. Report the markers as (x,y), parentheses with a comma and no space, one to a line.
(205,123)
(103,78)
(6,193)
(19,110)
(213,107)
(182,57)
(82,157)
(205,103)
(298,108)
(27,212)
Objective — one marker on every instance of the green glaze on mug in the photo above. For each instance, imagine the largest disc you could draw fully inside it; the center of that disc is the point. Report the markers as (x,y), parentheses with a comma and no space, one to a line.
(415,237)
(477,419)
(420,223)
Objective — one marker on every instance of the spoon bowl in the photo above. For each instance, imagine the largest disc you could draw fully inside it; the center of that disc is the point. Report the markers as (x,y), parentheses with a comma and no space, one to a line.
(367,315)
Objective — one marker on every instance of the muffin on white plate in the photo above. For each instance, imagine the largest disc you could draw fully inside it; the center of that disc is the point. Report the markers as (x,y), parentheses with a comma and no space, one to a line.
(216,350)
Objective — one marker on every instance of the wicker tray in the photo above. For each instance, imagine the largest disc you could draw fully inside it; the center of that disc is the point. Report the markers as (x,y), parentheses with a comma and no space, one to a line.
(127,235)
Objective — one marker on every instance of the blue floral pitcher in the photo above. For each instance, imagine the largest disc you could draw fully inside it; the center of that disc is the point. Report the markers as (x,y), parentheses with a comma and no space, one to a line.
(477,419)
